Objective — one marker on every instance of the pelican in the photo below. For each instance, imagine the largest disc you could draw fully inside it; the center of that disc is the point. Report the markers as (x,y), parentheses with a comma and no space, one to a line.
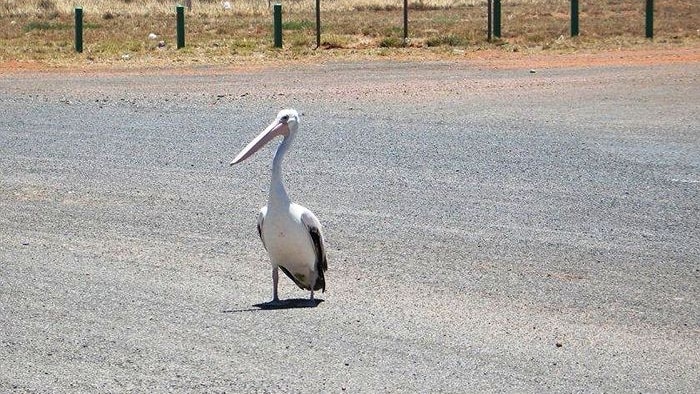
(290,233)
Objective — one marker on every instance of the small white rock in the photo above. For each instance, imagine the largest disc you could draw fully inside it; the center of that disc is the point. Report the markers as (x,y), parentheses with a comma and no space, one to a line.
(125,56)
(226,5)
(152,36)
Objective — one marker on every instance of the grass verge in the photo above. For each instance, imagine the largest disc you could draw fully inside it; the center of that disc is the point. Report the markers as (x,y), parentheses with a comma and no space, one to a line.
(42,30)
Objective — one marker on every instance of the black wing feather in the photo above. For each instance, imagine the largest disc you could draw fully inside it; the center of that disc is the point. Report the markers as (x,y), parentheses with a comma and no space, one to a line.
(321,260)
(261,218)
(295,280)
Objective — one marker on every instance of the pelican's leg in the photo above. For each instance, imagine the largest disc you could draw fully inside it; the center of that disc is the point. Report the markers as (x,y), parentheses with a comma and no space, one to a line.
(275,280)
(312,295)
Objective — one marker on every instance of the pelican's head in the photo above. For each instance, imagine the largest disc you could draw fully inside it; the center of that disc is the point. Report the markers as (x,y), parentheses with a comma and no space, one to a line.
(286,124)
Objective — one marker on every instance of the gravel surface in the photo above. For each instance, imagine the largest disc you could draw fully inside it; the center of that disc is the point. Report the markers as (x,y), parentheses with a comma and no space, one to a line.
(488,230)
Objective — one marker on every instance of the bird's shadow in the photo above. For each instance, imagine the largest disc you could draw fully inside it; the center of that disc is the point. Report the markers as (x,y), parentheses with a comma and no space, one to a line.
(291,303)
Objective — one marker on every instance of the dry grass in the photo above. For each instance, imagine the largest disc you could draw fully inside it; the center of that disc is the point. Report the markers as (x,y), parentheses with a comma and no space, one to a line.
(42,30)
(215,7)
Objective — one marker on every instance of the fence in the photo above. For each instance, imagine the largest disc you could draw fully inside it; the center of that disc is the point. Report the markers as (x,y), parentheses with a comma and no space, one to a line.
(493,29)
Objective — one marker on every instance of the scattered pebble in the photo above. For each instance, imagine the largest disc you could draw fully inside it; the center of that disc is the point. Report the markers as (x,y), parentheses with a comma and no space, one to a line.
(559,344)
(532,71)
(152,36)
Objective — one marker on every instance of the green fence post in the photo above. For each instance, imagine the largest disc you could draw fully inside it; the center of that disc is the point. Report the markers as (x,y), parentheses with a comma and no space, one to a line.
(574,18)
(405,22)
(277,21)
(79,29)
(180,27)
(489,21)
(318,23)
(650,19)
(497,18)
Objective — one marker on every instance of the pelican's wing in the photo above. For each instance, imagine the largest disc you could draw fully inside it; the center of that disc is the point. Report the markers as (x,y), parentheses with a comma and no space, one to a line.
(314,228)
(261,219)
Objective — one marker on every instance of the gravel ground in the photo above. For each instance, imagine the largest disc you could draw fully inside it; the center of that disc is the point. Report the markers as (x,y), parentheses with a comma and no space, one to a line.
(488,230)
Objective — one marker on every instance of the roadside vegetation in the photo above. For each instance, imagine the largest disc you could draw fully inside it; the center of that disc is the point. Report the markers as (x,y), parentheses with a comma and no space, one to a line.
(241,30)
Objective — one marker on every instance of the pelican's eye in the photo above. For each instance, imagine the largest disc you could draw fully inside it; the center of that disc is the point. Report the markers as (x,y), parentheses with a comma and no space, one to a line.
(285,118)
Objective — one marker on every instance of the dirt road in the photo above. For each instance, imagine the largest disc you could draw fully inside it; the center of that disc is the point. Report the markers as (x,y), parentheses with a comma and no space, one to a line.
(490,228)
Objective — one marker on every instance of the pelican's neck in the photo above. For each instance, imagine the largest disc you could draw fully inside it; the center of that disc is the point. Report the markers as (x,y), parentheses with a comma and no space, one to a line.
(278,195)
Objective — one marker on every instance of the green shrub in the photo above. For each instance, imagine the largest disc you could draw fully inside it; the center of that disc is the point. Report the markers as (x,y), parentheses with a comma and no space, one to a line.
(40,25)
(391,42)
(297,25)
(447,40)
